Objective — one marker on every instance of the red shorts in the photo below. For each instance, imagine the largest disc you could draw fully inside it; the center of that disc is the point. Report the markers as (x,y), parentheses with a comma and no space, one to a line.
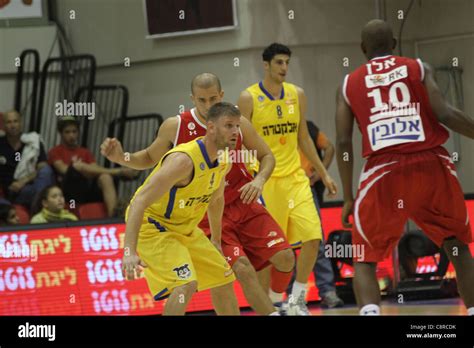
(249,230)
(393,188)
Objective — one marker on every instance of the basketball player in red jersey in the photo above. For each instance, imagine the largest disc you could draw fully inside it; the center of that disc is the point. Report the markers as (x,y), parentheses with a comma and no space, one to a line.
(408,175)
(251,239)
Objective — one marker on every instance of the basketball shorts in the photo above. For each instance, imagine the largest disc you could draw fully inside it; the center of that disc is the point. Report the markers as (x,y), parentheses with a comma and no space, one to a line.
(249,230)
(393,188)
(175,259)
(290,202)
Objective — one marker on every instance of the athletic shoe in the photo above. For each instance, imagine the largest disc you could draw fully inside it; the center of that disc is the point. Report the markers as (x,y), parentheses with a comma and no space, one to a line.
(298,307)
(331,300)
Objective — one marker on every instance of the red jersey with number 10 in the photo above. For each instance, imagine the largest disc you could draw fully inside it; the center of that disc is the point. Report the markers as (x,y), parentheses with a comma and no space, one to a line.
(189,128)
(390,103)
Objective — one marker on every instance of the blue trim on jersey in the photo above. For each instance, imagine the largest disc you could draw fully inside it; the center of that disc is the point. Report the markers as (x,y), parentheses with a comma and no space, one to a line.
(263,202)
(206,155)
(169,208)
(161,295)
(296,245)
(157,224)
(282,95)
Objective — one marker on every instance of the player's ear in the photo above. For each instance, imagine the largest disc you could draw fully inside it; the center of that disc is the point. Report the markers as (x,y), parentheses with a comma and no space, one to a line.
(362,47)
(221,93)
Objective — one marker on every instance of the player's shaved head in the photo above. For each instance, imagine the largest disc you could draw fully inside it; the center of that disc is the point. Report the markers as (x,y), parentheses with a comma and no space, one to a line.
(205,81)
(377,38)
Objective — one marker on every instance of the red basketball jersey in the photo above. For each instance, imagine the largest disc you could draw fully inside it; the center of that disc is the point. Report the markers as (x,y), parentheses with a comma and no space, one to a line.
(189,128)
(390,103)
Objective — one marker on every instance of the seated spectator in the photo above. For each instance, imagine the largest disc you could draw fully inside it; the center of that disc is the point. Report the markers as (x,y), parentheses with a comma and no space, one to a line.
(24,170)
(8,215)
(49,207)
(81,178)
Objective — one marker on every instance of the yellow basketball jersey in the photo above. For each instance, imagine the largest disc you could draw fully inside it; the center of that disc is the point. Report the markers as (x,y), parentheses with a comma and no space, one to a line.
(277,122)
(182,208)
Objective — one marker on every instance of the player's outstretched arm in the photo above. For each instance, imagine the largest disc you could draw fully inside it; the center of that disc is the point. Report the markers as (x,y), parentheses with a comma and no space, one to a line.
(215,211)
(176,168)
(307,146)
(253,142)
(344,152)
(112,149)
(447,114)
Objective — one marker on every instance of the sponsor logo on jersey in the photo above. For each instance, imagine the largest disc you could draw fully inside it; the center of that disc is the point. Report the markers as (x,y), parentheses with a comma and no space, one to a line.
(261,98)
(191,126)
(183,272)
(290,101)
(202,166)
(386,79)
(280,128)
(275,241)
(272,234)
(394,131)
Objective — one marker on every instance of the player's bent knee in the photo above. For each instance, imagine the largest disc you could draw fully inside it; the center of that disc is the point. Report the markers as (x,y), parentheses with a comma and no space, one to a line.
(187,289)
(244,270)
(284,260)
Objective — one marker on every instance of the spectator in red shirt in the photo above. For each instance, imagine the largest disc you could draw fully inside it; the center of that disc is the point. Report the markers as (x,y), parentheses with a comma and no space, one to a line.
(83,180)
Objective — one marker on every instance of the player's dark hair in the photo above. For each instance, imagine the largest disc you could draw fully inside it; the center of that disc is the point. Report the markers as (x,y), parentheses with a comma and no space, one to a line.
(67,121)
(222,109)
(274,49)
(4,212)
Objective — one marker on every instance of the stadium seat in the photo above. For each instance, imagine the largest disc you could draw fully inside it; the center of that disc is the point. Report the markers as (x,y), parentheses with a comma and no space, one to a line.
(23,214)
(91,211)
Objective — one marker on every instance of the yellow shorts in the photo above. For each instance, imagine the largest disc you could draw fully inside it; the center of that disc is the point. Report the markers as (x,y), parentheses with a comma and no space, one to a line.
(175,259)
(290,202)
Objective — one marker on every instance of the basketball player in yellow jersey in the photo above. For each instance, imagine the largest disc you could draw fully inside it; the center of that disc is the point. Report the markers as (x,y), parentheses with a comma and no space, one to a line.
(162,233)
(277,111)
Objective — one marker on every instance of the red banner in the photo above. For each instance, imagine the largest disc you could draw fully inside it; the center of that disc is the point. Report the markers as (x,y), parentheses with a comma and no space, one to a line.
(77,271)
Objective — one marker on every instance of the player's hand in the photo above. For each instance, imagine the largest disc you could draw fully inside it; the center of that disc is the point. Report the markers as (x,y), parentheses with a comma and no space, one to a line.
(251,191)
(112,149)
(330,185)
(132,267)
(346,212)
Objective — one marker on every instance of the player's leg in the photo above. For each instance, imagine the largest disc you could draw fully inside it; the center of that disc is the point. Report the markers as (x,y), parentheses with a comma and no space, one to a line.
(442,214)
(170,271)
(460,255)
(265,243)
(374,235)
(224,300)
(366,288)
(265,278)
(253,291)
(106,185)
(304,227)
(213,272)
(179,298)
